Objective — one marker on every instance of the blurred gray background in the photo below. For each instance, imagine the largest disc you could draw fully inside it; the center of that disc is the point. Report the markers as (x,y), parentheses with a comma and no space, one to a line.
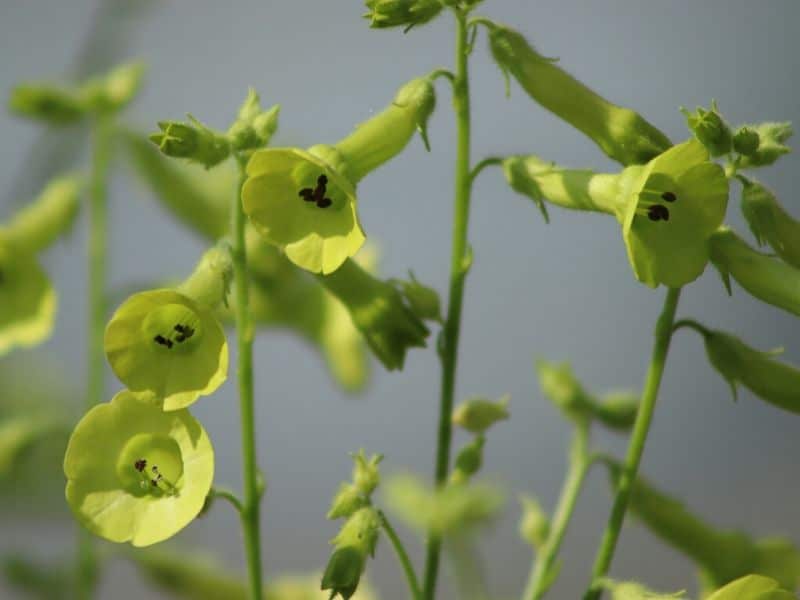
(561,291)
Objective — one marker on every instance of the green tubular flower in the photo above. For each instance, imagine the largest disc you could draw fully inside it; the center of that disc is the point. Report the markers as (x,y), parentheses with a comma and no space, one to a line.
(193,141)
(769,379)
(166,344)
(48,103)
(135,473)
(27,298)
(765,277)
(770,223)
(304,202)
(752,587)
(621,133)
(401,13)
(379,312)
(354,543)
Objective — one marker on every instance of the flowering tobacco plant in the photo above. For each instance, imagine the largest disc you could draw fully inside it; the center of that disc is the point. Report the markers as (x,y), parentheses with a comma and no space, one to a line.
(286,250)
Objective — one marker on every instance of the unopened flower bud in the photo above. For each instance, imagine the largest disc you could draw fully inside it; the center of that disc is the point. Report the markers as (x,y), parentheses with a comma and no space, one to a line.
(114,90)
(562,388)
(423,300)
(192,141)
(771,146)
(51,104)
(401,13)
(534,526)
(476,415)
(348,499)
(354,543)
(468,460)
(616,410)
(746,140)
(366,475)
(253,127)
(710,128)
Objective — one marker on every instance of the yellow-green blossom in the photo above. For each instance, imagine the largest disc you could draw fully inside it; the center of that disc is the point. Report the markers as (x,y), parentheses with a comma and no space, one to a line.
(136,473)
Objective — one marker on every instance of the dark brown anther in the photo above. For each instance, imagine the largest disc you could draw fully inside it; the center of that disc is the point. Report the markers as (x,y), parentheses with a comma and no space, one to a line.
(318,193)
(669,196)
(140,465)
(657,212)
(160,339)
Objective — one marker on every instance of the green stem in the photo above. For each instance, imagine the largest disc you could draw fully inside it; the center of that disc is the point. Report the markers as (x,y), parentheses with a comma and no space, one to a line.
(250,511)
(458,272)
(663,335)
(402,556)
(579,463)
(95,356)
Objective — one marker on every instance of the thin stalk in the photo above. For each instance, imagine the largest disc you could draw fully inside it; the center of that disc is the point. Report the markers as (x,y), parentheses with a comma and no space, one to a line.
(250,507)
(579,463)
(663,335)
(402,556)
(458,272)
(97,252)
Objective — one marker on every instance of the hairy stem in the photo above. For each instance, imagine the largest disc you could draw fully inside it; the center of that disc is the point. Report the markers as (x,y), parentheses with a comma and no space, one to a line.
(458,271)
(402,556)
(663,335)
(250,507)
(95,355)
(579,463)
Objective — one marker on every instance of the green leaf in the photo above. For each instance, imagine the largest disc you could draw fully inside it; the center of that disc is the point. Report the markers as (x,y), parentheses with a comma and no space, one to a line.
(631,590)
(770,223)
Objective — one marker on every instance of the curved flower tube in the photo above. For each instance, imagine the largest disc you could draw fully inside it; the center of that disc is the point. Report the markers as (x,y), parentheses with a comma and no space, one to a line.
(135,473)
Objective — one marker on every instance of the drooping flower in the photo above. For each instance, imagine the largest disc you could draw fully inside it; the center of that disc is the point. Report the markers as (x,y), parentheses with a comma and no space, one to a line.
(304,201)
(136,473)
(167,344)
(668,208)
(27,298)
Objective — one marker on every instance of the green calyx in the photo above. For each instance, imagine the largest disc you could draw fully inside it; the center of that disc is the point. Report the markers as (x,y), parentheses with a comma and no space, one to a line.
(710,128)
(192,141)
(389,325)
(672,205)
(772,138)
(770,223)
(354,543)
(166,347)
(135,473)
(114,90)
(767,278)
(254,126)
(746,141)
(621,133)
(468,461)
(477,415)
(773,381)
(383,14)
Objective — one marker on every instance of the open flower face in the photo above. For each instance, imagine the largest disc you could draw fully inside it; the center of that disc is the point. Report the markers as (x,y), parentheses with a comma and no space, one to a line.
(303,205)
(136,473)
(27,300)
(165,346)
(671,206)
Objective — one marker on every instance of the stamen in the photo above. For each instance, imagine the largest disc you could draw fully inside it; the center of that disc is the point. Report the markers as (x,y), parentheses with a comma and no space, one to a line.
(140,465)
(317,195)
(669,196)
(160,339)
(657,212)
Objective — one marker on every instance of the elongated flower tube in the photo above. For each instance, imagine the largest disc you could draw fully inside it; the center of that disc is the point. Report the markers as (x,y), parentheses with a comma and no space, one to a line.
(668,208)
(771,380)
(379,312)
(353,545)
(27,298)
(767,278)
(621,133)
(304,201)
(136,473)
(167,345)
(770,223)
